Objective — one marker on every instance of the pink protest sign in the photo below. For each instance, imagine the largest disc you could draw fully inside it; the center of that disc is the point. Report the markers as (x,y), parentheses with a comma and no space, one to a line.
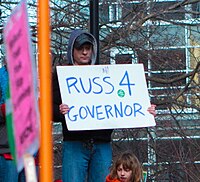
(23,100)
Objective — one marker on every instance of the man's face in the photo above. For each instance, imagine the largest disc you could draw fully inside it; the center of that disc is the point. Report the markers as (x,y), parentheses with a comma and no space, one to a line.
(83,54)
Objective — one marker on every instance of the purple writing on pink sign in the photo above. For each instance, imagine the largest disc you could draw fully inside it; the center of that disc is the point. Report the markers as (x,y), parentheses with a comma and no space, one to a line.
(19,61)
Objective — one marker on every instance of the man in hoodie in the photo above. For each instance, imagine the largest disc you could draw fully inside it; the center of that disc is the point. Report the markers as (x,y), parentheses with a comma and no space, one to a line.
(87,155)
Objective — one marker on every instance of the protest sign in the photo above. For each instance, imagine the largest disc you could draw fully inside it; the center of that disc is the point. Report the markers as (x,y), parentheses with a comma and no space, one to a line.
(21,105)
(105,96)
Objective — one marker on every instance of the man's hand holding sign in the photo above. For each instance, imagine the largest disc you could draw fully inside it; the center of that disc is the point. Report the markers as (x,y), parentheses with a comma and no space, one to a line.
(105,97)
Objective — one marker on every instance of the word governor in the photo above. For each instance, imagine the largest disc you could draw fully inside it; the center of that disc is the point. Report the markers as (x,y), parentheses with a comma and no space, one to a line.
(103,112)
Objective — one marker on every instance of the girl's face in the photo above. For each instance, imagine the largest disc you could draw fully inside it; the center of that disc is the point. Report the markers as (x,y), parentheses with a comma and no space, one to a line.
(124,175)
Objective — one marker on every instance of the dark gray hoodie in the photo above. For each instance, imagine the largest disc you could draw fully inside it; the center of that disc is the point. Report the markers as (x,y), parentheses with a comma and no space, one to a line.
(72,39)
(96,135)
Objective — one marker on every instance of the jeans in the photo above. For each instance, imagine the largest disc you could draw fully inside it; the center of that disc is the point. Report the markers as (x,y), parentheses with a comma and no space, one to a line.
(8,171)
(87,161)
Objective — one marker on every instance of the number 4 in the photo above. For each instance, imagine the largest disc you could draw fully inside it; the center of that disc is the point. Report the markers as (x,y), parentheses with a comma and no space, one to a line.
(125,81)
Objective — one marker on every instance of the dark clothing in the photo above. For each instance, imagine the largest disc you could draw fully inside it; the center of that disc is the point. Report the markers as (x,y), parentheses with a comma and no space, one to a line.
(4,148)
(96,135)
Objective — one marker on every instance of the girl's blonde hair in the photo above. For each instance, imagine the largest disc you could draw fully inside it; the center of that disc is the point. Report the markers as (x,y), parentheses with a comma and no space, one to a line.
(128,161)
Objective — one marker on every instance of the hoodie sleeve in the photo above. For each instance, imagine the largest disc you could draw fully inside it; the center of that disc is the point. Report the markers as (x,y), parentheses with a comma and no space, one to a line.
(57,116)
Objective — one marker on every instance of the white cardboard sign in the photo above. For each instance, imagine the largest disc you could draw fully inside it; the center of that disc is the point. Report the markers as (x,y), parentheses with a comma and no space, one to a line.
(105,96)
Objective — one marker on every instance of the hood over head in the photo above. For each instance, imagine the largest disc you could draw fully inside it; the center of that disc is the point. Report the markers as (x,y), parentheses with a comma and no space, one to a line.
(77,38)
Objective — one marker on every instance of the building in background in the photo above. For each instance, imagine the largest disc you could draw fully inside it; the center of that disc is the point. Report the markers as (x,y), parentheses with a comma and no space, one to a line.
(164,35)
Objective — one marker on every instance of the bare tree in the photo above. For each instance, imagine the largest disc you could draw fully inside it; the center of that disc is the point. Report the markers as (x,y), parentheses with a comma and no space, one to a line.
(164,36)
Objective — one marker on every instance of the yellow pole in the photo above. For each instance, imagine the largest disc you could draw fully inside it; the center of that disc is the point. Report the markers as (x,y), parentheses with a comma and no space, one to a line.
(46,152)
